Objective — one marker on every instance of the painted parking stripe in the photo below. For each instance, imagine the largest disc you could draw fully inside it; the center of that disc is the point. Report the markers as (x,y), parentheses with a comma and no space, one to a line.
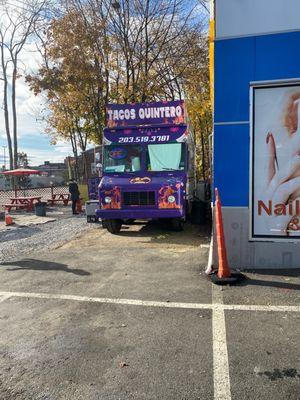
(265,308)
(149,303)
(4,297)
(104,300)
(220,352)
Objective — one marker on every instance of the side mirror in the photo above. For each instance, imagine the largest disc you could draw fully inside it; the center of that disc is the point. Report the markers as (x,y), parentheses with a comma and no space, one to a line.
(99,167)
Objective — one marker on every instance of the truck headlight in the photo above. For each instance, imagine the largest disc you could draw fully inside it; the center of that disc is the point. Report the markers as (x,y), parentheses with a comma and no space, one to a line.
(107,200)
(171,199)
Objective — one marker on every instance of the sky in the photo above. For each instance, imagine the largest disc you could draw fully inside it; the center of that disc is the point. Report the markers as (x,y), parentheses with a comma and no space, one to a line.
(31,137)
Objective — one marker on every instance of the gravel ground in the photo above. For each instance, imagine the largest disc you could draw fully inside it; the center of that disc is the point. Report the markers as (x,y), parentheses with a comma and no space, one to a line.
(21,241)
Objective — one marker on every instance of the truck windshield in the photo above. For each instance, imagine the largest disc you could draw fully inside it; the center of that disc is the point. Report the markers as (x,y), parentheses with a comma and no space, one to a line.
(166,157)
(122,158)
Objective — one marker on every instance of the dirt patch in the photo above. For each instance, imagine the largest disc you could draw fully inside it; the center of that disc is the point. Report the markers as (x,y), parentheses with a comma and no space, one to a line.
(149,235)
(26,220)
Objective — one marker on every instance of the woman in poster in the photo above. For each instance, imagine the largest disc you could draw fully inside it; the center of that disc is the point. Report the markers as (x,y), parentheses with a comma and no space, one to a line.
(277,211)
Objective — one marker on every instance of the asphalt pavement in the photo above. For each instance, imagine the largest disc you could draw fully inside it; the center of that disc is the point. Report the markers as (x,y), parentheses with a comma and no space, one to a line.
(133,316)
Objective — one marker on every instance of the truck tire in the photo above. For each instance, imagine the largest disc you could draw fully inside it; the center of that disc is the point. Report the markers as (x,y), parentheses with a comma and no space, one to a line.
(113,225)
(177,224)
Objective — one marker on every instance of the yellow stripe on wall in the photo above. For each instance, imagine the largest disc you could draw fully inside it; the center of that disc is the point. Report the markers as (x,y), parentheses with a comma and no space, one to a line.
(212,59)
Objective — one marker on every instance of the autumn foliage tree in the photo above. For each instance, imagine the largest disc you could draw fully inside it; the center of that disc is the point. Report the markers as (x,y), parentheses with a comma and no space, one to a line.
(197,94)
(73,81)
(101,51)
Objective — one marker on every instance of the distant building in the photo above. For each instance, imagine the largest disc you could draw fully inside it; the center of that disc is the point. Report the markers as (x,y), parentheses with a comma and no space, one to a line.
(51,173)
(90,158)
(4,183)
(86,166)
(52,168)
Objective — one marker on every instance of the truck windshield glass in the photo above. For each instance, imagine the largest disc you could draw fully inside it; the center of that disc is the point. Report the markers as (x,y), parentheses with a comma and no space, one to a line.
(166,157)
(122,158)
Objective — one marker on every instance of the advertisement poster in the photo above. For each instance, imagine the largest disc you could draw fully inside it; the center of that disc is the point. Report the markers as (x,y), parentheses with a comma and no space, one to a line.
(146,135)
(139,114)
(276,162)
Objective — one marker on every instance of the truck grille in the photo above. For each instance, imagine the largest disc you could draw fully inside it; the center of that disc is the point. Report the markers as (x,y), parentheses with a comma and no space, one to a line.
(139,198)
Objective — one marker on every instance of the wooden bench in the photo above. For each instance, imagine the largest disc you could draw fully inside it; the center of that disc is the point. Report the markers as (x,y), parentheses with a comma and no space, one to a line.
(53,201)
(26,203)
(64,198)
(10,206)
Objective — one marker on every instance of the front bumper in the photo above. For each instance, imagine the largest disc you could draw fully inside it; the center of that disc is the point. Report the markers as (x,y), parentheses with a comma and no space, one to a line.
(140,214)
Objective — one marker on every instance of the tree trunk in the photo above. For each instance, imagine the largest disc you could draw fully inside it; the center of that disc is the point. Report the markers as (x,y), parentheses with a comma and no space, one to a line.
(75,153)
(14,113)
(85,167)
(5,107)
(6,119)
(203,155)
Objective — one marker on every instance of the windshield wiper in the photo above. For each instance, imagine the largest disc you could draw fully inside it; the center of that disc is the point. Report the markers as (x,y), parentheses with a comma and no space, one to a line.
(170,169)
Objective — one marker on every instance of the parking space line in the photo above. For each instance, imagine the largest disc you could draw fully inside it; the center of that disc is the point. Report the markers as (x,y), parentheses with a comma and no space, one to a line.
(220,353)
(149,303)
(4,297)
(104,300)
(268,308)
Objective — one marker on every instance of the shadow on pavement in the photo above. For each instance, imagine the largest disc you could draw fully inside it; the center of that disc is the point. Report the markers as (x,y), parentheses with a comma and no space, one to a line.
(39,265)
(276,284)
(151,228)
(293,272)
(161,232)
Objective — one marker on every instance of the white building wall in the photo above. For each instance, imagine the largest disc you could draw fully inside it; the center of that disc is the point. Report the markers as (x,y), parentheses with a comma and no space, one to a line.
(237,18)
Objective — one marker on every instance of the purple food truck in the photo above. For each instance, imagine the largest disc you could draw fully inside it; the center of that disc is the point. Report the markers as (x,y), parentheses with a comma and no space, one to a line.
(148,164)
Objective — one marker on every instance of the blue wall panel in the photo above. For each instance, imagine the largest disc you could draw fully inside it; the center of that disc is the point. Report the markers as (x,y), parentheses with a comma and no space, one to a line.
(240,61)
(231,164)
(234,68)
(277,56)
(237,63)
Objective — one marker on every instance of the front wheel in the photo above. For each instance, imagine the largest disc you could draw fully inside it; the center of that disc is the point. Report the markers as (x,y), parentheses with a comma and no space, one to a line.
(113,225)
(177,224)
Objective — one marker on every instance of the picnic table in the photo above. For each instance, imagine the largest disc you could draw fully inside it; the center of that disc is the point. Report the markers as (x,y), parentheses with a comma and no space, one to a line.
(59,197)
(25,203)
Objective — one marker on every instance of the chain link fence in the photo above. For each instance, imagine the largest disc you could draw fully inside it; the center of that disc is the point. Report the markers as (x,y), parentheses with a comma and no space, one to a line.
(45,192)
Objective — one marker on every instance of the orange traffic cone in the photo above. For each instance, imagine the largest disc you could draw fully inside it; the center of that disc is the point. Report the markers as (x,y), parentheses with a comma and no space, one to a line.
(223,275)
(8,218)
(224,270)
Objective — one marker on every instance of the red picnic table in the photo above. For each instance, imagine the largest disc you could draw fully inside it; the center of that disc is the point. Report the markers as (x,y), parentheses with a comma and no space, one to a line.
(57,197)
(25,203)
